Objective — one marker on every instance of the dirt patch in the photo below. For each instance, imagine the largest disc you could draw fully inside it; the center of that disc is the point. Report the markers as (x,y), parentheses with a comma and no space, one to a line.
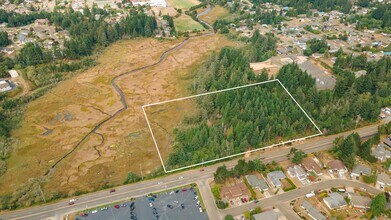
(75,106)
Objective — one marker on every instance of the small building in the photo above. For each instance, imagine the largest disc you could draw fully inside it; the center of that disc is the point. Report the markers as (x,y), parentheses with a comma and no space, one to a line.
(257,183)
(13,73)
(297,171)
(314,213)
(359,202)
(311,166)
(275,178)
(387,141)
(383,180)
(334,201)
(268,215)
(5,86)
(338,167)
(381,152)
(359,170)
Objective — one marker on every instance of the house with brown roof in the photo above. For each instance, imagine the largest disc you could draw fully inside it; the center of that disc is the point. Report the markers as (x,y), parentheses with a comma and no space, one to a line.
(235,191)
(311,166)
(336,166)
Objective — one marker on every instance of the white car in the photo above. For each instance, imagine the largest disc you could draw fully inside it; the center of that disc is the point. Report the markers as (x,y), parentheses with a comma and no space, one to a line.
(181,177)
(150,204)
(94,211)
(200,209)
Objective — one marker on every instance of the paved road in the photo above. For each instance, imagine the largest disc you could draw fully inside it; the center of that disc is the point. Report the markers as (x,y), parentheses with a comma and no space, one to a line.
(294,194)
(191,176)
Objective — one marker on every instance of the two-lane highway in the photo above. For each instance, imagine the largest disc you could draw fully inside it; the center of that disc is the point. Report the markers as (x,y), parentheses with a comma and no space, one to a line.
(169,181)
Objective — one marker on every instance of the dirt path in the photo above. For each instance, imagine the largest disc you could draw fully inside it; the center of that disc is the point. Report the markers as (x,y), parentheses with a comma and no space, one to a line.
(122,95)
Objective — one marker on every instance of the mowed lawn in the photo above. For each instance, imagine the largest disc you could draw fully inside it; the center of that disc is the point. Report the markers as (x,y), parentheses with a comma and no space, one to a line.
(183,4)
(185,23)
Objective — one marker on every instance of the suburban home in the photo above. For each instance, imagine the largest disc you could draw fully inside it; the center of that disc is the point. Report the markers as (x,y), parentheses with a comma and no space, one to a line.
(257,183)
(338,167)
(5,86)
(311,166)
(359,170)
(268,215)
(335,201)
(275,178)
(297,171)
(381,153)
(383,180)
(314,213)
(231,192)
(359,202)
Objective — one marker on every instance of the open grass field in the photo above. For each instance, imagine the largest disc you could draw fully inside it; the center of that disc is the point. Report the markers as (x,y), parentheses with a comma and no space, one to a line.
(182,4)
(185,23)
(56,122)
(216,13)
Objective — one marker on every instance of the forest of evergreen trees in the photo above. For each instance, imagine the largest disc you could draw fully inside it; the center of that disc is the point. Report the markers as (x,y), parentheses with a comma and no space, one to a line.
(232,122)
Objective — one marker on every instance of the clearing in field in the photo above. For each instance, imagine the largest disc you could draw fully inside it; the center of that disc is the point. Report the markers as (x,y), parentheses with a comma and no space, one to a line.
(182,4)
(75,106)
(185,23)
(235,125)
(217,12)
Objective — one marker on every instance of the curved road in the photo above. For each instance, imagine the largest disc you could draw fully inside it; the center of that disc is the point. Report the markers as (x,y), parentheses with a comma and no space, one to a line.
(61,207)
(121,93)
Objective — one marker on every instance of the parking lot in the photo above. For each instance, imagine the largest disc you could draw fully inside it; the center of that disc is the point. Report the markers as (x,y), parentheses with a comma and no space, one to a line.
(176,204)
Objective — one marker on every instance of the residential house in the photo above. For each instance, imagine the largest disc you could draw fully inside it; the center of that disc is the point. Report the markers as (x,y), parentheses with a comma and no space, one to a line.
(7,50)
(313,212)
(359,170)
(5,86)
(268,215)
(311,166)
(257,183)
(297,171)
(383,180)
(359,202)
(337,166)
(275,178)
(335,201)
(381,153)
(231,192)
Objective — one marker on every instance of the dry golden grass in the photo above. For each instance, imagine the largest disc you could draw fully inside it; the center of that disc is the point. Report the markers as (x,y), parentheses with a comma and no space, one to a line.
(216,13)
(73,107)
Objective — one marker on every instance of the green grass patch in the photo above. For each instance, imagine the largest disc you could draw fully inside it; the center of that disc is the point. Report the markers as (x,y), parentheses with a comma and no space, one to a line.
(185,23)
(253,193)
(183,4)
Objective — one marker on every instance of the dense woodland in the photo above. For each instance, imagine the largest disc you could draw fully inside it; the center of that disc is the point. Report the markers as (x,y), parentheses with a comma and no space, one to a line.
(234,121)
(379,18)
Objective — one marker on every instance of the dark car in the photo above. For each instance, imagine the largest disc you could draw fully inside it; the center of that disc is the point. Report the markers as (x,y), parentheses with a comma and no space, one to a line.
(71,203)
(183,206)
(177,191)
(154,196)
(131,204)
(112,190)
(156,217)
(83,214)
(133,217)
(256,201)
(170,206)
(154,212)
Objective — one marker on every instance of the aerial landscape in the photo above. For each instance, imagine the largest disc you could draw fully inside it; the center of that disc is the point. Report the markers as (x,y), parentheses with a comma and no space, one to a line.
(195,109)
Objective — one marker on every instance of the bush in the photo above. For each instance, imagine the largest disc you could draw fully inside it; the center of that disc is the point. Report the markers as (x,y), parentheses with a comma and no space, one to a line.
(221,204)
(132,178)
(229,217)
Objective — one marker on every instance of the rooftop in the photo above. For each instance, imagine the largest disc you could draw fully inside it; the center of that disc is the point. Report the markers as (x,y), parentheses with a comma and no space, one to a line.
(256,182)
(275,177)
(310,165)
(360,169)
(268,215)
(336,165)
(359,201)
(335,200)
(312,211)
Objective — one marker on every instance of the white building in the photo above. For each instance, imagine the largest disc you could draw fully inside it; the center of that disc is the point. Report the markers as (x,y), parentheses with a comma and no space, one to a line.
(4,86)
(13,73)
(152,3)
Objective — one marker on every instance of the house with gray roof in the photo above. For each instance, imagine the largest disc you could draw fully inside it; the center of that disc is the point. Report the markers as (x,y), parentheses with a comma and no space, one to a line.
(359,170)
(5,86)
(257,183)
(387,141)
(359,202)
(335,201)
(383,180)
(313,212)
(381,152)
(268,215)
(275,178)
(297,171)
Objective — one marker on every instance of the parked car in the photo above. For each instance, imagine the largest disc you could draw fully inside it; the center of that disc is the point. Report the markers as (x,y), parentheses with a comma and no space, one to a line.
(184,190)
(170,206)
(71,203)
(123,205)
(117,206)
(200,209)
(94,211)
(104,208)
(150,204)
(131,204)
(177,191)
(112,190)
(84,214)
(183,206)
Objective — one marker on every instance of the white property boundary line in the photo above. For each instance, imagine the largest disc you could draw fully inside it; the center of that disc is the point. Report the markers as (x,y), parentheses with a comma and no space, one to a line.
(234,155)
